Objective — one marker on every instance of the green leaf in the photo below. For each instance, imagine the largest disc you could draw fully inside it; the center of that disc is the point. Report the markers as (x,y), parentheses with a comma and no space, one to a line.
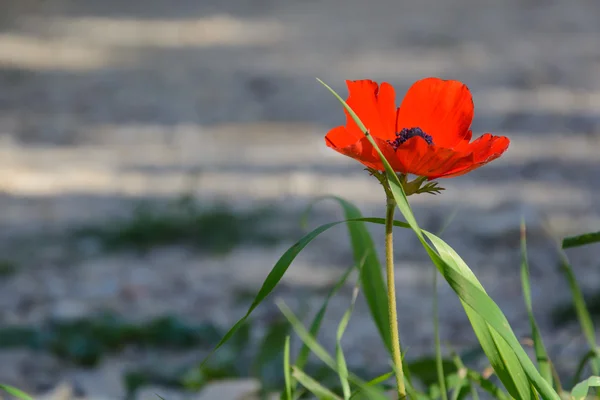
(267,364)
(583,315)
(19,394)
(590,355)
(476,378)
(439,362)
(287,369)
(321,353)
(341,361)
(371,275)
(538,344)
(425,369)
(581,390)
(581,240)
(271,281)
(313,386)
(486,384)
(315,326)
(514,367)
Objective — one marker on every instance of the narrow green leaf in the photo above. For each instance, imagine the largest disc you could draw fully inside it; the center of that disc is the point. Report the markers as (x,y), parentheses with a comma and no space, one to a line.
(487,385)
(583,315)
(538,344)
(581,240)
(287,369)
(474,394)
(459,387)
(439,364)
(518,366)
(315,326)
(380,378)
(590,355)
(341,361)
(267,362)
(271,281)
(371,276)
(476,378)
(19,394)
(580,391)
(321,353)
(313,386)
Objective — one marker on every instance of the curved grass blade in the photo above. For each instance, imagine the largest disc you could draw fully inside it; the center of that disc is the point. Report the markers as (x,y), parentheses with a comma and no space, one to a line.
(371,275)
(487,385)
(460,387)
(380,379)
(538,344)
(590,355)
(341,361)
(517,371)
(439,364)
(19,394)
(373,392)
(286,369)
(436,328)
(475,378)
(313,386)
(271,281)
(580,391)
(583,314)
(581,240)
(315,326)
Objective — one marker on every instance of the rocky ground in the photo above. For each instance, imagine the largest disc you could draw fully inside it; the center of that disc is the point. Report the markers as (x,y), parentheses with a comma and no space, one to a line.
(104,103)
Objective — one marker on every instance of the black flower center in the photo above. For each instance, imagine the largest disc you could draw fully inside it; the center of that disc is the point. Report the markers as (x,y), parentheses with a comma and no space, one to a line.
(407,133)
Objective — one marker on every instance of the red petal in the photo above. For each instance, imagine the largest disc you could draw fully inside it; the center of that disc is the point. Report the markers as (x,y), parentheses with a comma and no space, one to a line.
(485,149)
(362,150)
(375,106)
(422,159)
(442,109)
(340,137)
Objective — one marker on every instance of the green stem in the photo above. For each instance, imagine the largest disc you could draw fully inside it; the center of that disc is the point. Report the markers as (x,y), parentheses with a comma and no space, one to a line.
(391,286)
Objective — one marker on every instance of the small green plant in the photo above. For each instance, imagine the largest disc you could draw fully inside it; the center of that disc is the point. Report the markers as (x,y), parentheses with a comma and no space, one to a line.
(413,150)
(85,341)
(7,268)
(217,230)
(427,136)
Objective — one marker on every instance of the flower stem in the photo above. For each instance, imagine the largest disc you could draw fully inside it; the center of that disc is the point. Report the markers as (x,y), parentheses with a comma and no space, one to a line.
(391,286)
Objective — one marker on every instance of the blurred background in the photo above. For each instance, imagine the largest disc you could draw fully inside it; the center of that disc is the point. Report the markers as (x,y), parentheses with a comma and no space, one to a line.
(156,157)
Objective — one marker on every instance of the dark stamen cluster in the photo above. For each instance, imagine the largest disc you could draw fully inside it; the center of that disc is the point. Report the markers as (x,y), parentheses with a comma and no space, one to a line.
(407,133)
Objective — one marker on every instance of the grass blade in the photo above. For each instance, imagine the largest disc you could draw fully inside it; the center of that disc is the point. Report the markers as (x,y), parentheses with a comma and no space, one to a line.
(371,276)
(286,369)
(515,369)
(582,363)
(380,378)
(580,391)
(271,281)
(313,386)
(581,240)
(341,361)
(315,326)
(538,344)
(322,354)
(583,315)
(19,394)
(438,348)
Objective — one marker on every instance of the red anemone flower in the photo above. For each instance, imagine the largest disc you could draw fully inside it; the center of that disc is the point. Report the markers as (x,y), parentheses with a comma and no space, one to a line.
(428,135)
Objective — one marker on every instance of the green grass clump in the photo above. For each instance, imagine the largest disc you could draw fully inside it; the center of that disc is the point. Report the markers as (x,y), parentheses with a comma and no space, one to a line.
(85,341)
(183,221)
